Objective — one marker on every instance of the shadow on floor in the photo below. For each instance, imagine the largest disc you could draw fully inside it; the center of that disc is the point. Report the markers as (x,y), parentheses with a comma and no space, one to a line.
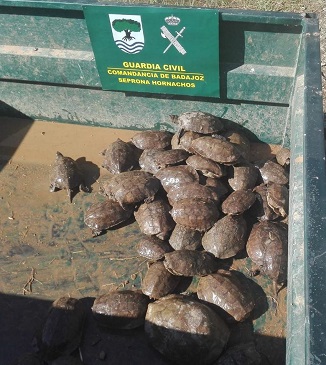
(22,317)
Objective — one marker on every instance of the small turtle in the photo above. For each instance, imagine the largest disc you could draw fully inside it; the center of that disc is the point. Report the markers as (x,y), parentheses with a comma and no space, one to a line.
(119,156)
(154,218)
(159,282)
(62,330)
(154,160)
(216,149)
(227,237)
(65,174)
(278,198)
(191,190)
(152,248)
(195,213)
(131,187)
(185,330)
(206,166)
(183,238)
(147,140)
(217,185)
(226,290)
(273,172)
(121,309)
(190,262)
(267,246)
(176,175)
(103,215)
(261,208)
(183,139)
(244,176)
(240,140)
(283,156)
(238,202)
(198,121)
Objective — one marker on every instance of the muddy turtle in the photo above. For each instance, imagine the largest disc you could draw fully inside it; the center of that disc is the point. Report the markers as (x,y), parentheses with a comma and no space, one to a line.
(195,213)
(191,190)
(206,166)
(227,237)
(183,139)
(283,156)
(183,238)
(273,172)
(62,330)
(216,149)
(119,156)
(125,309)
(66,175)
(147,140)
(261,208)
(154,160)
(243,177)
(158,281)
(190,262)
(227,290)
(238,202)
(152,248)
(240,140)
(185,330)
(103,215)
(267,246)
(131,187)
(278,198)
(198,121)
(176,175)
(154,218)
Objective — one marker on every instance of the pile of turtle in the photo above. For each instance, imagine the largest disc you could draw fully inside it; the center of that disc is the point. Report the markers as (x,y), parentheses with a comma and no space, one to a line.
(198,200)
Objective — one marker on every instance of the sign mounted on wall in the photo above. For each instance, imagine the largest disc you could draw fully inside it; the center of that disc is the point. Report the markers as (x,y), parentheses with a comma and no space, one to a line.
(156,49)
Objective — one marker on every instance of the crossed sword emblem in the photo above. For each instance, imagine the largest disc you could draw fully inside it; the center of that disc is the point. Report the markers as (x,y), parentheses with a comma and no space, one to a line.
(173,40)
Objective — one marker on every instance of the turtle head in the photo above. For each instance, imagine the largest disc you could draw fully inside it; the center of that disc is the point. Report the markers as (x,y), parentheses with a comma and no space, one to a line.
(174,118)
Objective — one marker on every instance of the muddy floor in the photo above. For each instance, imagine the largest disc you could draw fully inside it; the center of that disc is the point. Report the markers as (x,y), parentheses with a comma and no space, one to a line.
(48,252)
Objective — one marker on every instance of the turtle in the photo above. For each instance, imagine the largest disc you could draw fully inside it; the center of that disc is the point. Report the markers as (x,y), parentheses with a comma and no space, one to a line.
(158,281)
(154,218)
(62,330)
(149,139)
(273,172)
(243,177)
(227,290)
(183,238)
(104,215)
(152,248)
(65,174)
(195,213)
(191,190)
(206,166)
(156,159)
(217,149)
(267,246)
(198,121)
(227,237)
(283,156)
(131,187)
(190,262)
(124,309)
(240,141)
(120,156)
(185,330)
(238,202)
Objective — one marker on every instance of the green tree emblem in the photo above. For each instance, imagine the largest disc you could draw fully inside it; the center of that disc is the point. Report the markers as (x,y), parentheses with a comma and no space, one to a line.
(128,26)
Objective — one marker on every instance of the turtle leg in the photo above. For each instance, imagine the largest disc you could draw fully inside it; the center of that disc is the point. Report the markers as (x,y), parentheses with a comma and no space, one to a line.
(84,188)
(52,188)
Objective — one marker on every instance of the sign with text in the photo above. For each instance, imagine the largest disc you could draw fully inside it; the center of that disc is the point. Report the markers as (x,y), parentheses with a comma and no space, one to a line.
(156,49)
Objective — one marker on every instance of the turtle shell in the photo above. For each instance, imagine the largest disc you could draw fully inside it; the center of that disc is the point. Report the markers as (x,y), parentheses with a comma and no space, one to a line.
(195,213)
(185,330)
(146,140)
(131,187)
(226,290)
(199,122)
(267,246)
